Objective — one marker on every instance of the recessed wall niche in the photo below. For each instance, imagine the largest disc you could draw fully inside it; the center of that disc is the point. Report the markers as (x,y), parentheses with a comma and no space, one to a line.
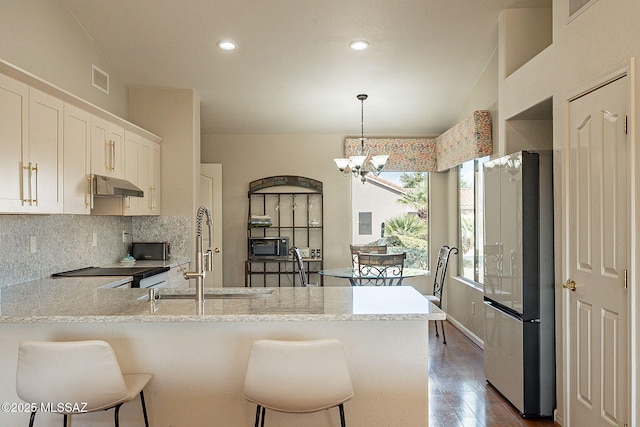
(532,129)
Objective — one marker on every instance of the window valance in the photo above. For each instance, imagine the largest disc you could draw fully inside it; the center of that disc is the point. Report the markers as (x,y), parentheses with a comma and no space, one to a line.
(469,139)
(405,154)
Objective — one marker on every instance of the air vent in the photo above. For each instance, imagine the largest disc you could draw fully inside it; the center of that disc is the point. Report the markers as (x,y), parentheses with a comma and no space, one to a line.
(576,7)
(100,79)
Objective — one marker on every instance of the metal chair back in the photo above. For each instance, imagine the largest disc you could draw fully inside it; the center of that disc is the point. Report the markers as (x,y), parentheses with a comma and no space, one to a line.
(371,249)
(439,279)
(302,274)
(380,269)
(440,275)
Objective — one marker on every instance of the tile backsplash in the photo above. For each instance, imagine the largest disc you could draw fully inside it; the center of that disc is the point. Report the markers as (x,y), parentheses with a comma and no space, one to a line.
(35,246)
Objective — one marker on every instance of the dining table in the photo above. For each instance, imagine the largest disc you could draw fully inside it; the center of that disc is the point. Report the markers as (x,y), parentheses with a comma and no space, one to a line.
(354,274)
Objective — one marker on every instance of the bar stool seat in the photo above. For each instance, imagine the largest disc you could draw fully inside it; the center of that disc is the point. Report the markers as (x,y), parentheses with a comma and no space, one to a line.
(76,372)
(297,377)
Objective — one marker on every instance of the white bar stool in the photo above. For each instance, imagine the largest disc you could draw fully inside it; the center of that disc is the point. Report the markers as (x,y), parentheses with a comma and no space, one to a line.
(74,372)
(297,377)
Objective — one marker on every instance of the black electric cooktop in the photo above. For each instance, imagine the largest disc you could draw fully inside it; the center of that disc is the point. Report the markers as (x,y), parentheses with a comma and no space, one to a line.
(139,272)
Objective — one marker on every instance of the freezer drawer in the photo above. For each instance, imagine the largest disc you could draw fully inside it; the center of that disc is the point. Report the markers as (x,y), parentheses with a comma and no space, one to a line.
(503,355)
(512,362)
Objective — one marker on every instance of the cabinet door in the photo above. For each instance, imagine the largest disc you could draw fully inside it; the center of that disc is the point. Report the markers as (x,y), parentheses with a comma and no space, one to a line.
(144,205)
(77,160)
(132,152)
(45,152)
(155,174)
(142,168)
(107,148)
(116,137)
(13,132)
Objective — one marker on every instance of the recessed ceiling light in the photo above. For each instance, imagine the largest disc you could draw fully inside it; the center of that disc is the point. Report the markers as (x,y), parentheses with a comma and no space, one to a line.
(227,45)
(359,45)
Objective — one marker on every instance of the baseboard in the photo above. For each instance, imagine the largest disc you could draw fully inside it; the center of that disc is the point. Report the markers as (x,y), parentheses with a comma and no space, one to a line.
(557,416)
(473,337)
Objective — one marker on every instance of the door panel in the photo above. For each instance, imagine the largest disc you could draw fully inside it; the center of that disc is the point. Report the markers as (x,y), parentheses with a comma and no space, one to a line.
(598,254)
(211,197)
(582,190)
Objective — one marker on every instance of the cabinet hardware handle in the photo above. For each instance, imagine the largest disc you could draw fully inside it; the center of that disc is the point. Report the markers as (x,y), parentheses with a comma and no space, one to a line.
(113,156)
(26,184)
(35,199)
(31,199)
(90,204)
(107,153)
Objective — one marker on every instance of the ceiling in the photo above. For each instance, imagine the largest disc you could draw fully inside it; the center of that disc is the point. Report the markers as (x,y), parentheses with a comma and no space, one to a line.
(293,72)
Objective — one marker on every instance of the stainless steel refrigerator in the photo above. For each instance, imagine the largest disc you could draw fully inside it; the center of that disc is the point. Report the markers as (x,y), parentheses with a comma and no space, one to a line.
(519,355)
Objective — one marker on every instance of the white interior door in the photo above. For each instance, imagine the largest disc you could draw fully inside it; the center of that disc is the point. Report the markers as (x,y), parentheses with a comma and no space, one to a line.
(597,255)
(211,197)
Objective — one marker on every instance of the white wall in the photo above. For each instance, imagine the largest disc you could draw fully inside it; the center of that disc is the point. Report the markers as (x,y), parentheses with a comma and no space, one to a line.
(174,114)
(43,38)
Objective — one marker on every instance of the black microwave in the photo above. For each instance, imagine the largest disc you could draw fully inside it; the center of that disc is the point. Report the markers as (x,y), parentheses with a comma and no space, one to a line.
(268,247)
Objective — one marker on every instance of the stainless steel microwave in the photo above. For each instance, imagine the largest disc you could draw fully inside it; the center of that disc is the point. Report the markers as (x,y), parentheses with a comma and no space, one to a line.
(268,247)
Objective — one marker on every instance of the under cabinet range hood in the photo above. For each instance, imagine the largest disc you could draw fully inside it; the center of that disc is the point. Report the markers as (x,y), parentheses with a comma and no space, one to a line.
(107,186)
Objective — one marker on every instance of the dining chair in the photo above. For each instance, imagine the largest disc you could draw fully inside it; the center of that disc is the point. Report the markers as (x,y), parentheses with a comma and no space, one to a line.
(439,279)
(371,249)
(84,372)
(297,377)
(302,274)
(380,269)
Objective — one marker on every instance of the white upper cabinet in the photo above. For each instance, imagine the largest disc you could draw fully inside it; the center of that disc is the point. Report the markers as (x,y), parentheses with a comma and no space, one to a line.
(51,142)
(32,146)
(107,148)
(142,168)
(14,129)
(77,161)
(45,179)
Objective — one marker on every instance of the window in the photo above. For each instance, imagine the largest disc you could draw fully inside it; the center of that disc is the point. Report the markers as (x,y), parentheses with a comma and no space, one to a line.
(364,224)
(471,218)
(397,204)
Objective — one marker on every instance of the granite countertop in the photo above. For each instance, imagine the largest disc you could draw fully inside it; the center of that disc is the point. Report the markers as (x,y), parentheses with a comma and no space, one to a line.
(98,299)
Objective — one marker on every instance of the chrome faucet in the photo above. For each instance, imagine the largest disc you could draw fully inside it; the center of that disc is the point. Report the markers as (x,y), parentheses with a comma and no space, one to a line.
(204,260)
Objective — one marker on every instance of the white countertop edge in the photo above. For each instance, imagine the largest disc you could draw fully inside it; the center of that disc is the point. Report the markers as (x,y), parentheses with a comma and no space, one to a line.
(222,318)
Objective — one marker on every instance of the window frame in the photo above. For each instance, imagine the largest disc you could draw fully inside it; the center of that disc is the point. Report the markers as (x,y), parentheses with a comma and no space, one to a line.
(478,221)
(356,182)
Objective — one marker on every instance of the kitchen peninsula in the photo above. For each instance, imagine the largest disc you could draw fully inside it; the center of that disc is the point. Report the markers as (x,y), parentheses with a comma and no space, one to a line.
(198,353)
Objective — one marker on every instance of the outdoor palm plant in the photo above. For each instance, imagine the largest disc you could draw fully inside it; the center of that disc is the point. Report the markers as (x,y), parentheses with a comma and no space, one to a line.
(406,225)
(408,232)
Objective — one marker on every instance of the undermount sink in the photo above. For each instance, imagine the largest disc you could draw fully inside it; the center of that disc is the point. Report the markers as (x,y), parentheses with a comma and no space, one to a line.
(238,294)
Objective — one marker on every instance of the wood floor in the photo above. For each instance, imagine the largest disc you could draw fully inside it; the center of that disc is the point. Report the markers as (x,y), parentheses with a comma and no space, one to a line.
(458,392)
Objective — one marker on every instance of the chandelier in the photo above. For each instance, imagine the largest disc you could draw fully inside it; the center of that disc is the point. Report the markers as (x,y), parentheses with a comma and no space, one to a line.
(356,165)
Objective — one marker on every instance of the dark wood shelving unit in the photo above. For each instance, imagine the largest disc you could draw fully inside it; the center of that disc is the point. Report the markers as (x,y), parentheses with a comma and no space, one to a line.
(295,206)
